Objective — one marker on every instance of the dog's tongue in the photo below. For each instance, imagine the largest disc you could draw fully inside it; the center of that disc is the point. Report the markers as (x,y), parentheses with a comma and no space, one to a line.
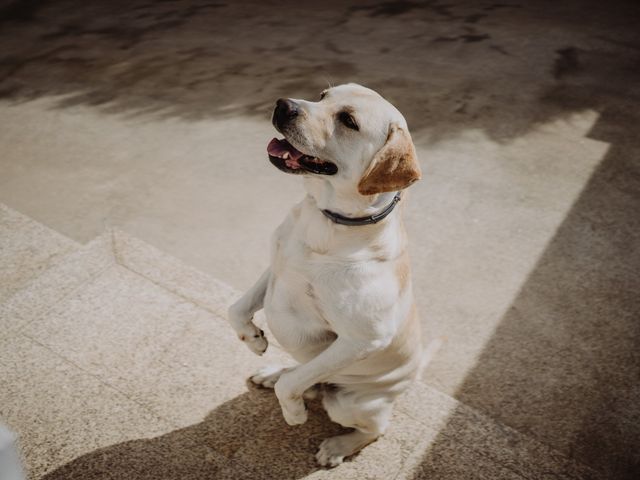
(278,148)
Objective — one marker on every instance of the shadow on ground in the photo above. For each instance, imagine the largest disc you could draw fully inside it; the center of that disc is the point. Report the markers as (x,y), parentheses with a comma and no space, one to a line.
(475,64)
(573,333)
(249,426)
(564,363)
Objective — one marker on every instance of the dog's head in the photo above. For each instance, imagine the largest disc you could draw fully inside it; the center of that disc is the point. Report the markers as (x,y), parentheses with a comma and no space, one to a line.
(351,136)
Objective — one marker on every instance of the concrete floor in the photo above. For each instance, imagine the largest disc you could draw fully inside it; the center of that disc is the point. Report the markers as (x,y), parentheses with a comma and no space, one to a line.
(153,117)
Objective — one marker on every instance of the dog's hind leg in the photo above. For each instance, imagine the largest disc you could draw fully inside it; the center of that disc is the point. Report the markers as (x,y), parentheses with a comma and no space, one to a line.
(368,415)
(333,450)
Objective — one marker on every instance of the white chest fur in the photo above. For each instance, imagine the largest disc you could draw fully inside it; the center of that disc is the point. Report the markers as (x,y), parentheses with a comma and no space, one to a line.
(321,271)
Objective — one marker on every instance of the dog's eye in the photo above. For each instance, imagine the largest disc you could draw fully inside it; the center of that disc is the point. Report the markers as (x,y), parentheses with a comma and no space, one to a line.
(323,94)
(347,120)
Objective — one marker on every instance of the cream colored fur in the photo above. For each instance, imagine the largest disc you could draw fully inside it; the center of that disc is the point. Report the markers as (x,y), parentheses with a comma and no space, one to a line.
(339,298)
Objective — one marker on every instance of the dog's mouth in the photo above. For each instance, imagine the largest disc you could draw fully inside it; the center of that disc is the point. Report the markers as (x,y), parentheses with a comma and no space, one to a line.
(291,160)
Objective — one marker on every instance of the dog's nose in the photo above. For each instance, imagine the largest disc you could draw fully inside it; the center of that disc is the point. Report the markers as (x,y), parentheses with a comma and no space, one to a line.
(285,111)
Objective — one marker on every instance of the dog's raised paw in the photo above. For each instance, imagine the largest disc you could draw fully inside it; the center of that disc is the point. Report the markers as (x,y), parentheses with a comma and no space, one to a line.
(255,340)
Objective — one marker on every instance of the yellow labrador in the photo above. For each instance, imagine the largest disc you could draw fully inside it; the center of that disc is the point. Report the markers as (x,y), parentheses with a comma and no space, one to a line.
(338,294)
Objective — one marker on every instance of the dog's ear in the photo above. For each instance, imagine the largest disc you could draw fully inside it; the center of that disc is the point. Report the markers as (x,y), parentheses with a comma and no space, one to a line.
(394,167)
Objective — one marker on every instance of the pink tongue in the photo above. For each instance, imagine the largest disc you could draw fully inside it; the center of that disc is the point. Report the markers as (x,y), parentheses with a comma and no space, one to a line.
(277,148)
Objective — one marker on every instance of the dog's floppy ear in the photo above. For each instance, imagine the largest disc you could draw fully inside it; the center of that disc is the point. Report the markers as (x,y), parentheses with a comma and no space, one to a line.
(394,167)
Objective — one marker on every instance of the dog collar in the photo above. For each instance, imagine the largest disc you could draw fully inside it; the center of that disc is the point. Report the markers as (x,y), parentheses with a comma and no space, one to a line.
(354,222)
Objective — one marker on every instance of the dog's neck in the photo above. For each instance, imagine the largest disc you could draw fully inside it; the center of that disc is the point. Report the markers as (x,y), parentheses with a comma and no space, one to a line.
(364,220)
(325,235)
(346,201)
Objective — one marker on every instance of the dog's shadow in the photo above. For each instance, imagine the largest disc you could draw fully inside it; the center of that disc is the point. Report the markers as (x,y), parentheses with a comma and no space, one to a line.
(245,437)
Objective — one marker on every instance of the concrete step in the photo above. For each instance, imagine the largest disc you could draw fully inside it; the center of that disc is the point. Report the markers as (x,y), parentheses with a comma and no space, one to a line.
(27,248)
(118,363)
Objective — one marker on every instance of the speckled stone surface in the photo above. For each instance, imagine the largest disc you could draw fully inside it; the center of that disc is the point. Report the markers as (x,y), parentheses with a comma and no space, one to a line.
(386,458)
(463,432)
(448,458)
(178,278)
(175,276)
(33,301)
(128,371)
(165,351)
(27,248)
(61,412)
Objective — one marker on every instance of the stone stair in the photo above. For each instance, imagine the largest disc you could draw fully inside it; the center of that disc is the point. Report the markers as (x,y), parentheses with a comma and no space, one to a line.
(116,362)
(27,249)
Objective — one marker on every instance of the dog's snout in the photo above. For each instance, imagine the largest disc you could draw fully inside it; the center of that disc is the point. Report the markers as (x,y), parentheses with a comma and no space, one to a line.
(285,111)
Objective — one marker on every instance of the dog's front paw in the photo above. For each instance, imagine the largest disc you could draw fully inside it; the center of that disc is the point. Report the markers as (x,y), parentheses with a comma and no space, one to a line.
(248,333)
(254,339)
(294,410)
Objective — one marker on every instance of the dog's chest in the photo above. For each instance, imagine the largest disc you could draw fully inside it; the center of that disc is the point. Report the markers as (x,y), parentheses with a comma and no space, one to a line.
(300,247)
(294,310)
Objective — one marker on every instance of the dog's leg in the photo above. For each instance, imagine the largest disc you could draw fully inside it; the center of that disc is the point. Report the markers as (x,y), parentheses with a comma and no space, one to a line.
(340,354)
(369,415)
(333,450)
(268,376)
(241,313)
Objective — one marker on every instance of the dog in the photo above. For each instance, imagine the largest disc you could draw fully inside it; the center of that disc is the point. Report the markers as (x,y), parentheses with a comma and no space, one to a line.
(338,295)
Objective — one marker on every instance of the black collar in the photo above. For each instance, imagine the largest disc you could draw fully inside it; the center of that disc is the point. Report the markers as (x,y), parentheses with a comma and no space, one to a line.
(353,222)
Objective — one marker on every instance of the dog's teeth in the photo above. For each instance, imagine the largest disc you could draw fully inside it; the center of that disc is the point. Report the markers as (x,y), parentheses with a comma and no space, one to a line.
(285,155)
